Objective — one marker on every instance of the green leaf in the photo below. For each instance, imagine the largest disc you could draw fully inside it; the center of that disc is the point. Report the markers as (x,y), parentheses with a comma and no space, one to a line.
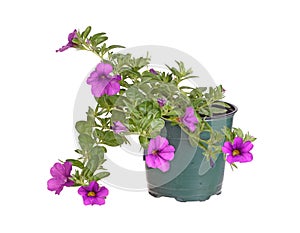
(86,32)
(194,140)
(83,127)
(228,134)
(156,126)
(90,116)
(98,134)
(114,47)
(98,151)
(215,110)
(76,41)
(118,115)
(90,167)
(238,132)
(248,137)
(98,39)
(142,124)
(112,139)
(145,107)
(233,165)
(76,163)
(100,175)
(86,142)
(134,94)
(79,151)
(204,112)
(144,141)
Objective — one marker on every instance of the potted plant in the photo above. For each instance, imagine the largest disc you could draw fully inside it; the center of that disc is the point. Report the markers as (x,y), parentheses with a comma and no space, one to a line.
(186,132)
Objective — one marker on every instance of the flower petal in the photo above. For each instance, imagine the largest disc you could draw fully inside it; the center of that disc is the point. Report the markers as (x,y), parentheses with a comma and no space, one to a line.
(237,143)
(58,170)
(246,157)
(231,159)
(72,35)
(99,200)
(117,77)
(68,168)
(82,191)
(94,77)
(191,127)
(189,119)
(88,200)
(246,147)
(103,192)
(94,186)
(118,127)
(64,47)
(160,142)
(167,153)
(151,146)
(69,183)
(151,160)
(104,69)
(227,147)
(55,184)
(164,166)
(112,87)
(98,88)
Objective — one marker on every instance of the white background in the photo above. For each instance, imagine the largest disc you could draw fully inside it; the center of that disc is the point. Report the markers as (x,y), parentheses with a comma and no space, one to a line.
(251,47)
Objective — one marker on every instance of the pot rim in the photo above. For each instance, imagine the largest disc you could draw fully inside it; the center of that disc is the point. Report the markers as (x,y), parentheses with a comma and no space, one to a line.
(233,109)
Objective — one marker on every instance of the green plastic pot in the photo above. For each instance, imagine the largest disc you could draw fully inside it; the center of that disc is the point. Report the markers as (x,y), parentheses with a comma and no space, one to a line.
(190,177)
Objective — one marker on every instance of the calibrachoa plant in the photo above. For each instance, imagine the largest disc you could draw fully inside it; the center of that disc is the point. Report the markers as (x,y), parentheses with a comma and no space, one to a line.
(132,98)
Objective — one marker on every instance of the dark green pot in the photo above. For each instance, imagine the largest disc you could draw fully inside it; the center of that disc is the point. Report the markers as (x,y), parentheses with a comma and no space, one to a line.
(191,177)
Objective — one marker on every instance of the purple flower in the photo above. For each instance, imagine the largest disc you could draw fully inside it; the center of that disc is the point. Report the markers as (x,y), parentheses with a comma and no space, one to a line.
(239,151)
(161,102)
(103,83)
(189,119)
(118,127)
(153,71)
(159,153)
(93,194)
(61,175)
(70,44)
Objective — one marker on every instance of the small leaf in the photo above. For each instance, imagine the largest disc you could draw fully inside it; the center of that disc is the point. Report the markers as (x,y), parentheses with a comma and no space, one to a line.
(79,151)
(100,175)
(112,139)
(91,166)
(83,127)
(86,32)
(215,110)
(86,142)
(193,140)
(98,151)
(228,134)
(76,163)
(144,141)
(233,165)
(156,126)
(145,107)
(248,137)
(114,47)
(134,94)
(98,39)
(238,132)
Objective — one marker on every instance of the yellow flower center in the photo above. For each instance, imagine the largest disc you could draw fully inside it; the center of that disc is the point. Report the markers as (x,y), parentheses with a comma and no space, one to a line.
(236,152)
(91,194)
(154,152)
